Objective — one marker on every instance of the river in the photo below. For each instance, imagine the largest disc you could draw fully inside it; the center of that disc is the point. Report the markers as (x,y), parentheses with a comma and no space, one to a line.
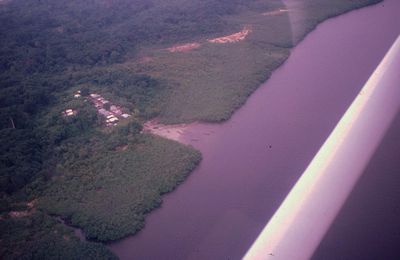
(368,226)
(251,161)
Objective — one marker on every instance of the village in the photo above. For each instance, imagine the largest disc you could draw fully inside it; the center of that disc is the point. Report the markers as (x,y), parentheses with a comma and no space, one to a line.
(111,113)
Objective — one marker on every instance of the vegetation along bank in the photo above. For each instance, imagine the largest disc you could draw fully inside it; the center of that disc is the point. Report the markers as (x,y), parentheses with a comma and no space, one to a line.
(78,79)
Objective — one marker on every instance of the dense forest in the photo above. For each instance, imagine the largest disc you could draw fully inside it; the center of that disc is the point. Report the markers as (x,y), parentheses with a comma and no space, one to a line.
(51,165)
(49,47)
(46,36)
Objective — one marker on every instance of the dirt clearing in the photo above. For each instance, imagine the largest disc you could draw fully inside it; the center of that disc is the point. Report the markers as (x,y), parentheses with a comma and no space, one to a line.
(276,12)
(184,47)
(172,132)
(239,36)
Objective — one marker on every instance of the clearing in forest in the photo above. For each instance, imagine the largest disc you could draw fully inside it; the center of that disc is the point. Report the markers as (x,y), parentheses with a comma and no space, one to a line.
(239,36)
(275,12)
(184,47)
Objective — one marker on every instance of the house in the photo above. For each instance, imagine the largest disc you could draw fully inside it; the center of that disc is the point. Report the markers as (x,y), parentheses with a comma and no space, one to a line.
(77,94)
(112,120)
(104,112)
(112,114)
(69,112)
(94,95)
(116,110)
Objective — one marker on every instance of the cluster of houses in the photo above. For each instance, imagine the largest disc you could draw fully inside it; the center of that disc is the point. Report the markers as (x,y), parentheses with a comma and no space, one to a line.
(111,113)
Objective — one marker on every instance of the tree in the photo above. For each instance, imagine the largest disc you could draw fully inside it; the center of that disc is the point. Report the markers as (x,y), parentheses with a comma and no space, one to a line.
(85,91)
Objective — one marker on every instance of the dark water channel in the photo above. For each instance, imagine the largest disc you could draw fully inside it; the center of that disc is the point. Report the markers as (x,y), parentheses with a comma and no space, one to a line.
(251,162)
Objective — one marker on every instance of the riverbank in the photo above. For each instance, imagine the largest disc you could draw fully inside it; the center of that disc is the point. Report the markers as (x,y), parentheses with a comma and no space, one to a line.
(300,223)
(83,168)
(249,154)
(210,82)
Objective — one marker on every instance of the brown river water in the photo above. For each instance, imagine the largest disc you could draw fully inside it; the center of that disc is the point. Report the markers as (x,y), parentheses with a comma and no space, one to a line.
(368,226)
(251,161)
